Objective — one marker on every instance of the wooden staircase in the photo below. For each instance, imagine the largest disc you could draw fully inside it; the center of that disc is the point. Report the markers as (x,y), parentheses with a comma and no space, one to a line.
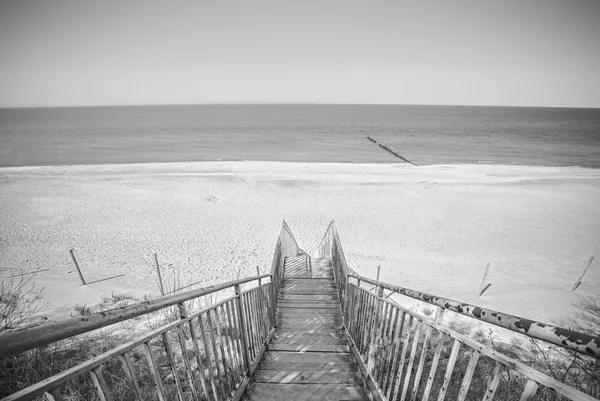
(308,358)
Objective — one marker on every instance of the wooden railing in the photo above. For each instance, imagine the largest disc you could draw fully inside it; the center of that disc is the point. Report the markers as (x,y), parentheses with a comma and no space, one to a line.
(208,354)
(406,355)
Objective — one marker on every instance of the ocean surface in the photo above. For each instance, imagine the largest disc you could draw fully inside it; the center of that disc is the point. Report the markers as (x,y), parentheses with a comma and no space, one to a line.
(303,133)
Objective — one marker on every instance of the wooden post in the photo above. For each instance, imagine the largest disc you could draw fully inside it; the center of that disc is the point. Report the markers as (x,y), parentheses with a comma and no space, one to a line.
(77,266)
(578,282)
(160,283)
(378,306)
(481,287)
(258,274)
(439,315)
(243,333)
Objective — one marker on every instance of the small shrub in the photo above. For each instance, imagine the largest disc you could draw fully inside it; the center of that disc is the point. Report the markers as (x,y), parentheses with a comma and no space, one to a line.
(19,301)
(80,310)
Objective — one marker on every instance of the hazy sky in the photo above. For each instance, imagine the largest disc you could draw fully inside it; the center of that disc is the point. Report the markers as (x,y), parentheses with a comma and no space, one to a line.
(502,52)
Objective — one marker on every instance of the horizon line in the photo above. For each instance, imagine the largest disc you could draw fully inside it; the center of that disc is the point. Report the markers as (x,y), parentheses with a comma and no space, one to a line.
(286,104)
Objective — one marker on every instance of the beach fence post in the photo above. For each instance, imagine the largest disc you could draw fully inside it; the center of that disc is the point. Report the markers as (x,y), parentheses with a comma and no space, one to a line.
(160,283)
(482,286)
(578,282)
(258,274)
(77,267)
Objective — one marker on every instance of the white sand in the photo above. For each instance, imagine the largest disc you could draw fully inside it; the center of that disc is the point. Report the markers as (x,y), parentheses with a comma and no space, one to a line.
(432,228)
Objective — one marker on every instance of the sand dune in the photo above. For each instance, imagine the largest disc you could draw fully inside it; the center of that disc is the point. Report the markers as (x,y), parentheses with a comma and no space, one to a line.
(432,228)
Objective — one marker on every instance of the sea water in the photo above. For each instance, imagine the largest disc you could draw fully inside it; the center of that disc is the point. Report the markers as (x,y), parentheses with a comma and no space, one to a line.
(300,133)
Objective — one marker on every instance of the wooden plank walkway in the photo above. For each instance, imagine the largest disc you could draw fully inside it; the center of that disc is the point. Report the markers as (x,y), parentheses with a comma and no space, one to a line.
(308,358)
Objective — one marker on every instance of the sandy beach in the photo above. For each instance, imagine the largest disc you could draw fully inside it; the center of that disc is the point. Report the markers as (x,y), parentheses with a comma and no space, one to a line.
(431,228)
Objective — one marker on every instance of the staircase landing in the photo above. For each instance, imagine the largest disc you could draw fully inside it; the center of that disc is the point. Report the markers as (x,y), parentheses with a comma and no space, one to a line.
(308,358)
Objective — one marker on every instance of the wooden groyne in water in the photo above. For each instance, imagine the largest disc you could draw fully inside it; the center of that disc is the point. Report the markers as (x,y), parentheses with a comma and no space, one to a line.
(391,151)
(310,329)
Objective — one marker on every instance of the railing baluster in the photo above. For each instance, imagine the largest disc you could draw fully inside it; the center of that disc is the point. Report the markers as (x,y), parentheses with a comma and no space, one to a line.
(249,327)
(235,340)
(184,351)
(360,328)
(200,366)
(54,395)
(529,392)
(172,365)
(208,359)
(433,368)
(100,384)
(411,361)
(223,384)
(384,335)
(242,327)
(394,367)
(368,319)
(421,364)
(252,322)
(409,329)
(494,381)
(186,362)
(226,369)
(229,345)
(387,367)
(449,369)
(154,370)
(464,388)
(130,373)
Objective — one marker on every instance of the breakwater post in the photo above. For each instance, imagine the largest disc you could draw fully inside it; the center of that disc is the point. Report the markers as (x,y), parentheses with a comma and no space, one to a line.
(391,151)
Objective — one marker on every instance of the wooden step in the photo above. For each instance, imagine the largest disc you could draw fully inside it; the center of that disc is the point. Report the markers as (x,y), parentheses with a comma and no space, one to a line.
(307,312)
(305,392)
(283,356)
(310,366)
(316,297)
(308,305)
(308,291)
(317,347)
(321,330)
(307,328)
(334,337)
(307,377)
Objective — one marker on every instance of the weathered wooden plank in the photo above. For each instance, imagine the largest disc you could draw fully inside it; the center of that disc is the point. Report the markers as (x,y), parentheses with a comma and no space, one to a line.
(283,356)
(130,373)
(305,392)
(301,338)
(307,377)
(291,330)
(417,380)
(411,361)
(334,305)
(171,365)
(317,297)
(308,291)
(464,388)
(529,391)
(155,373)
(490,392)
(433,367)
(293,313)
(100,384)
(310,366)
(449,370)
(406,340)
(309,347)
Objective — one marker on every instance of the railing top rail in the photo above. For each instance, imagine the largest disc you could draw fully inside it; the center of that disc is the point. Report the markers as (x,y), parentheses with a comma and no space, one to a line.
(285,227)
(569,339)
(23,340)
